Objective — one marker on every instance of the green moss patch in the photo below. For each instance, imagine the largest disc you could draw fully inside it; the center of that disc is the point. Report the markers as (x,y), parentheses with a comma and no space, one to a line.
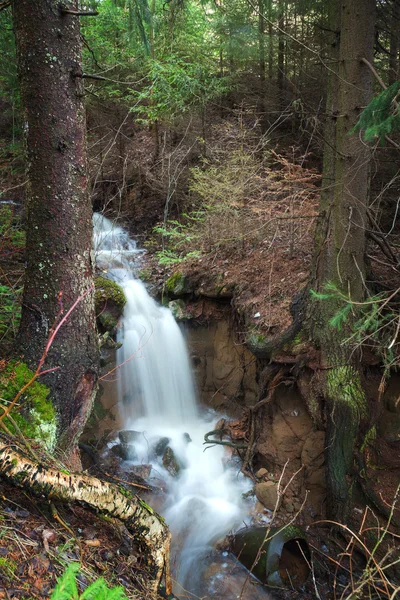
(108,293)
(34,413)
(176,284)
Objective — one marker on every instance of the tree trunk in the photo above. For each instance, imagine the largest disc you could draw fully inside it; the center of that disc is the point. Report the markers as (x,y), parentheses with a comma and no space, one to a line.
(281,55)
(341,248)
(148,528)
(394,42)
(59,212)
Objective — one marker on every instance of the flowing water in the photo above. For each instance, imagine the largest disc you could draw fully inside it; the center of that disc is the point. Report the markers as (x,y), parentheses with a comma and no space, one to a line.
(157,399)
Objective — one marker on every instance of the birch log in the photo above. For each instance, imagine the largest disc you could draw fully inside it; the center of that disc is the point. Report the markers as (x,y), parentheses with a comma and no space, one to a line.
(148,528)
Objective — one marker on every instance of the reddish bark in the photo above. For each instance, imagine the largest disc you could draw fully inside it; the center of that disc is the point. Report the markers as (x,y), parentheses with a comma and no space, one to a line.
(59,226)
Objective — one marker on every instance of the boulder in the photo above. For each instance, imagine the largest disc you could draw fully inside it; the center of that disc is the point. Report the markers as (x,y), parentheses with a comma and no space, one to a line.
(161,446)
(127,436)
(170,462)
(125,451)
(267,494)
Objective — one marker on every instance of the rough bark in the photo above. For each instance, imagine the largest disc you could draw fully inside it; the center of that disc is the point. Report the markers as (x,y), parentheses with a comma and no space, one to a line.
(59,227)
(148,528)
(341,249)
(394,42)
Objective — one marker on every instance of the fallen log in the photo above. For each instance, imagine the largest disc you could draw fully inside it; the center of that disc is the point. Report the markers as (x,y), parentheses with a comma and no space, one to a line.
(146,526)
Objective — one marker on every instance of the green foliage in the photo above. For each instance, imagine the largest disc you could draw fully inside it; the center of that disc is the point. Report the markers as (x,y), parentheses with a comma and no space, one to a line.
(67,588)
(372,322)
(175,86)
(34,413)
(11,244)
(10,311)
(381,117)
(178,239)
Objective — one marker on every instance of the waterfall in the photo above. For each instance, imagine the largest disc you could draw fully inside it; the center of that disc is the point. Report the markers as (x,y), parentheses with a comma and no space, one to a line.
(157,400)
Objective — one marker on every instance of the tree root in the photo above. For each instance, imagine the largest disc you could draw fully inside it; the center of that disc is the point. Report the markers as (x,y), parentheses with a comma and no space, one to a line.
(147,527)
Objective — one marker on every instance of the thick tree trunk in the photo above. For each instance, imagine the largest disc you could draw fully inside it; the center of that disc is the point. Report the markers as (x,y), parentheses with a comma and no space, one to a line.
(59,226)
(148,528)
(341,247)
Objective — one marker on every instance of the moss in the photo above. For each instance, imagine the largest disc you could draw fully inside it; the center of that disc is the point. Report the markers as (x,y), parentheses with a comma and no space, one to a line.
(176,284)
(145,275)
(34,413)
(344,386)
(107,292)
(107,320)
(8,566)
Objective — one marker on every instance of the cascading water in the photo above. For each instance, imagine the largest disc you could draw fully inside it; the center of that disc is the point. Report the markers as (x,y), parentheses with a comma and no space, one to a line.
(157,400)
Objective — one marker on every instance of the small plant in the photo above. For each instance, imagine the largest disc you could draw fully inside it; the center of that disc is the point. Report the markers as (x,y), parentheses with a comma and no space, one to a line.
(67,588)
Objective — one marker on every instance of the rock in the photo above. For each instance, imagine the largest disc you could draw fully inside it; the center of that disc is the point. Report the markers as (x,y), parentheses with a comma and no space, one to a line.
(267,494)
(187,437)
(128,436)
(125,451)
(289,507)
(161,446)
(178,284)
(177,307)
(261,473)
(313,453)
(170,462)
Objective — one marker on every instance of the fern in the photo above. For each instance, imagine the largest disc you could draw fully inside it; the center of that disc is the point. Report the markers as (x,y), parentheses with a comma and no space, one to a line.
(67,589)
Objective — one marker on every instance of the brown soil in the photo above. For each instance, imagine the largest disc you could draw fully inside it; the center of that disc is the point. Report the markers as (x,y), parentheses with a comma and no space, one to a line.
(36,548)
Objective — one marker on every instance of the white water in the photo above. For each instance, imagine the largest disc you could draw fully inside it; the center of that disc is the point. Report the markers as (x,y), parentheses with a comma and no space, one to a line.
(157,398)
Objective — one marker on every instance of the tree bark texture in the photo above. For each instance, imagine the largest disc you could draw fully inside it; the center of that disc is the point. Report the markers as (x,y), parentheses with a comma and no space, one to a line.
(340,242)
(59,226)
(394,42)
(148,528)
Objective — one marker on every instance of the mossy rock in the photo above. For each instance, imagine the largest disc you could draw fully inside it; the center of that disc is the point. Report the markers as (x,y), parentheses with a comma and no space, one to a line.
(110,301)
(170,462)
(108,291)
(34,412)
(107,320)
(177,284)
(177,307)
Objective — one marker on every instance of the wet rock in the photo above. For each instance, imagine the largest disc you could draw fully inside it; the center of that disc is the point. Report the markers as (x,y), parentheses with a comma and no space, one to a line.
(161,446)
(125,451)
(128,436)
(267,494)
(170,462)
(187,438)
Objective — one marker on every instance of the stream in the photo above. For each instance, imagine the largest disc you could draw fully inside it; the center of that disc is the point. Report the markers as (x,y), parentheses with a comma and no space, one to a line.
(157,404)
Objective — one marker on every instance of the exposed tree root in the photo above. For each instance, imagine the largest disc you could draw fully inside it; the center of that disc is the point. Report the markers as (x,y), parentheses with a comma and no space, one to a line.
(148,528)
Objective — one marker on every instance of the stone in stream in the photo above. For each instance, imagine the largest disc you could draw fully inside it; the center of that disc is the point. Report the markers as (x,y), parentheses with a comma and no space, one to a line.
(128,436)
(161,446)
(187,438)
(125,451)
(170,462)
